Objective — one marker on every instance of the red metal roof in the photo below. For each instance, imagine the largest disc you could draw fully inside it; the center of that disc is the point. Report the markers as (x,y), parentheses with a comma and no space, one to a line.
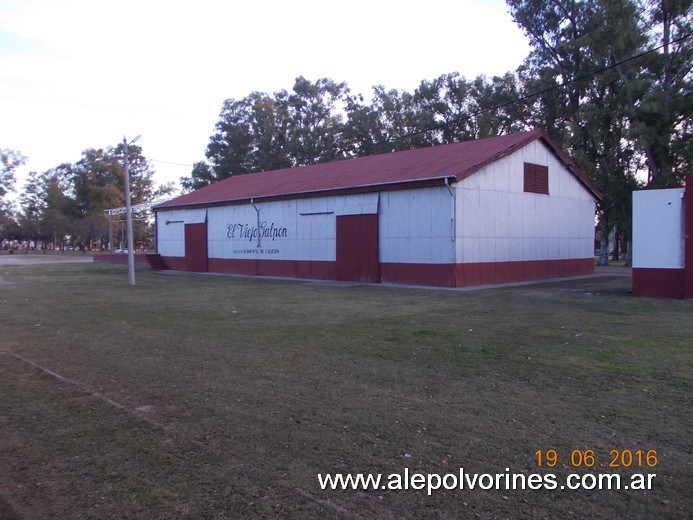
(436,163)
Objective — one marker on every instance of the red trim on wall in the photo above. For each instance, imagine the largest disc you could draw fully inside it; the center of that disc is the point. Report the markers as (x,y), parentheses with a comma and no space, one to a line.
(177,263)
(315,270)
(465,275)
(688,234)
(658,283)
(484,273)
(437,275)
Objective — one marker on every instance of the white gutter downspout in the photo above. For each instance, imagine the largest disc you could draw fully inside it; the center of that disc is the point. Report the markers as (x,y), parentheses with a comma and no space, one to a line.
(453,220)
(252,202)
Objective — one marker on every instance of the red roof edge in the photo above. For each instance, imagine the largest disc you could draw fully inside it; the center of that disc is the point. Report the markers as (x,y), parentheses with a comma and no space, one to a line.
(347,190)
(492,151)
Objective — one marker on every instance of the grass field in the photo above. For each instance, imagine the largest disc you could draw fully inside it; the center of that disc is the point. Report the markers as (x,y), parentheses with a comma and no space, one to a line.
(193,396)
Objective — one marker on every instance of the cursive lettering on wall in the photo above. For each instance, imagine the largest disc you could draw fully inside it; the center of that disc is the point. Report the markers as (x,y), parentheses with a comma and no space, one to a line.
(265,230)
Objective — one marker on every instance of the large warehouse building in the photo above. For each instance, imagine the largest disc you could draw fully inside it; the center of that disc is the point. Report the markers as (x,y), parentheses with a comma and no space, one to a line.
(495,210)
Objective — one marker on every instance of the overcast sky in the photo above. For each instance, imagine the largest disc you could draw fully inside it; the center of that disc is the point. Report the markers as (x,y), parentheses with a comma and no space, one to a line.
(78,74)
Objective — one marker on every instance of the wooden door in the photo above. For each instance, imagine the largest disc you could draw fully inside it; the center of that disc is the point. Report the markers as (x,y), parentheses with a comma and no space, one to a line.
(357,248)
(196,247)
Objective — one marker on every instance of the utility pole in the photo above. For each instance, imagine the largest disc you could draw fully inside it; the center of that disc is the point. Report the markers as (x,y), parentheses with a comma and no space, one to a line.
(128,212)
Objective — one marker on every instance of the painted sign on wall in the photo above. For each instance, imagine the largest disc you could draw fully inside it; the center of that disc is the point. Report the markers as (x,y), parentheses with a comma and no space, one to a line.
(252,233)
(255,235)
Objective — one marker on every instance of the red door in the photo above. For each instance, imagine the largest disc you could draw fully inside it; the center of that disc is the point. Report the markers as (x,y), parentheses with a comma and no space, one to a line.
(357,248)
(196,247)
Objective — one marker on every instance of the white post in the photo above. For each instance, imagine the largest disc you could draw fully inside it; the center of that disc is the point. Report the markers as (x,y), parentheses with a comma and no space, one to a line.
(128,214)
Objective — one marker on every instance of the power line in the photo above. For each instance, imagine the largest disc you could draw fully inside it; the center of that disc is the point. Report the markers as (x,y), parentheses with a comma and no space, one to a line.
(173,163)
(444,124)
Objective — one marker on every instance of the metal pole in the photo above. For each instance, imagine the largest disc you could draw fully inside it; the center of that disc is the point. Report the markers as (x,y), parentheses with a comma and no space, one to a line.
(128,217)
(110,232)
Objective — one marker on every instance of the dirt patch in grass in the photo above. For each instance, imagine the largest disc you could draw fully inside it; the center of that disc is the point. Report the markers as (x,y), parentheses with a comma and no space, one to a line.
(212,397)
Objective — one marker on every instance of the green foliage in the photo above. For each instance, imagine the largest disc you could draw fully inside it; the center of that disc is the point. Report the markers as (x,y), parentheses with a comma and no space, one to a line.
(616,106)
(201,175)
(661,120)
(70,200)
(323,121)
(10,160)
(315,122)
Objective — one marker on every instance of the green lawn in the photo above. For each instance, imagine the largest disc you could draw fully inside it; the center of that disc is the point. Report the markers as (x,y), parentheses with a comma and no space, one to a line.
(192,396)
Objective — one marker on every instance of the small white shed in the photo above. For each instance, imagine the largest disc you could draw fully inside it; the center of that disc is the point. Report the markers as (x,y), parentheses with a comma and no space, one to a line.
(663,242)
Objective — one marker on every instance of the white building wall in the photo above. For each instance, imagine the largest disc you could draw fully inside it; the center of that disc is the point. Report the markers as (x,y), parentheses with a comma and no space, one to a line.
(658,229)
(290,230)
(301,229)
(416,226)
(498,222)
(170,232)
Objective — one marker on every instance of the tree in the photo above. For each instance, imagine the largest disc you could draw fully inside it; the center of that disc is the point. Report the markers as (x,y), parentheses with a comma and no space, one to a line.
(494,106)
(59,208)
(200,176)
(31,202)
(395,120)
(559,32)
(447,99)
(406,123)
(464,109)
(250,136)
(10,160)
(584,45)
(48,212)
(315,125)
(662,115)
(363,134)
(97,182)
(262,132)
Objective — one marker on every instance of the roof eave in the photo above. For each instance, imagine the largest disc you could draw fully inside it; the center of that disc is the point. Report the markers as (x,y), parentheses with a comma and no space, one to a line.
(385,186)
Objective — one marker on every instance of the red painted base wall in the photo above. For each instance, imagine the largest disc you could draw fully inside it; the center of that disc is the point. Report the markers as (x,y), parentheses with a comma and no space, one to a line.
(658,283)
(438,275)
(283,268)
(506,272)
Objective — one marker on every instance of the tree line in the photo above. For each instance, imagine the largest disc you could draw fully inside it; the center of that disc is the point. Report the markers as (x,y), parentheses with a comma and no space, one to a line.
(608,80)
(68,201)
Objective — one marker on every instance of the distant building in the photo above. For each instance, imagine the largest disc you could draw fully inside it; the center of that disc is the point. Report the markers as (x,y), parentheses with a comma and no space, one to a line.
(495,210)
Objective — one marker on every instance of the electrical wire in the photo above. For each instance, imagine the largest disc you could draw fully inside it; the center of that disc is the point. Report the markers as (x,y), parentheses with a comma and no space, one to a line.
(521,99)
(172,163)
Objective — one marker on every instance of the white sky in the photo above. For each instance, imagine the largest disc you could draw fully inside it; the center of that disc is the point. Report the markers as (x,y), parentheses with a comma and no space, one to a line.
(78,74)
